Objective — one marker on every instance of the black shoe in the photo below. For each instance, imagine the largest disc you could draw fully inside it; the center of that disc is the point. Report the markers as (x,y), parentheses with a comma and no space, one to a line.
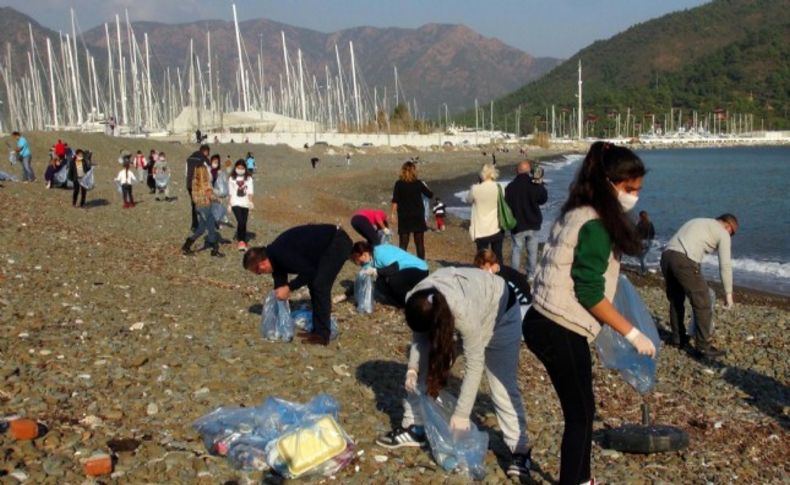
(709,352)
(520,465)
(186,249)
(398,437)
(215,251)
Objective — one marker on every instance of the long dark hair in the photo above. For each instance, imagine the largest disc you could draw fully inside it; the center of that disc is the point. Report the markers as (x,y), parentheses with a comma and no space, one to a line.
(242,164)
(604,165)
(427,311)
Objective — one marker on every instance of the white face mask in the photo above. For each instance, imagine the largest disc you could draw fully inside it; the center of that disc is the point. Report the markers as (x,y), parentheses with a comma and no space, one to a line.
(240,171)
(627,201)
(214,165)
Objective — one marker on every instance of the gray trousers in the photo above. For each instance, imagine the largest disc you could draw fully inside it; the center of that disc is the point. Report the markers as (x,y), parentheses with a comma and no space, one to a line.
(683,278)
(27,169)
(501,372)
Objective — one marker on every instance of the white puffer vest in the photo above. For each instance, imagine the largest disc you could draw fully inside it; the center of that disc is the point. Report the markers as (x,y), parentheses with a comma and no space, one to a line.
(553,291)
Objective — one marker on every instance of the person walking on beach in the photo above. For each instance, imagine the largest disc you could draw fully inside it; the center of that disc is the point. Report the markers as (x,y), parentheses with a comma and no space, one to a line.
(26,156)
(397,270)
(482,309)
(126,180)
(149,167)
(525,194)
(316,254)
(250,163)
(647,232)
(197,159)
(680,265)
(439,211)
(408,211)
(370,223)
(202,197)
(575,283)
(139,165)
(78,167)
(241,190)
(484,224)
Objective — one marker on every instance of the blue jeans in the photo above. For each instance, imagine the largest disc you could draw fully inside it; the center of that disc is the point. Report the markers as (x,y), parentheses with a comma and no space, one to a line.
(206,222)
(531,237)
(27,169)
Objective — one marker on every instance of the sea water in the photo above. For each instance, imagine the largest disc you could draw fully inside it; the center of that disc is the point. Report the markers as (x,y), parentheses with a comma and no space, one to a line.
(750,182)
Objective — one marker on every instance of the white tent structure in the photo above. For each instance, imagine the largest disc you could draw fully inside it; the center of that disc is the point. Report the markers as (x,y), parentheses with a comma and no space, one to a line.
(191,119)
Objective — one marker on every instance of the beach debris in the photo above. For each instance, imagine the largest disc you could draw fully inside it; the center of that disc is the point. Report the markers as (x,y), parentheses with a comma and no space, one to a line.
(341,370)
(98,464)
(137,326)
(380,458)
(24,429)
(151,409)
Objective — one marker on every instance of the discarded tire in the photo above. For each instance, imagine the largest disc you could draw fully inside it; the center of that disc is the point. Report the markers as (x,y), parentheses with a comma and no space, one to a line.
(634,438)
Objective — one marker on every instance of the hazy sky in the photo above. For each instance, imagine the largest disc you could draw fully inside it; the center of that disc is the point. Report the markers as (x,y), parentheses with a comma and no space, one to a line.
(555,28)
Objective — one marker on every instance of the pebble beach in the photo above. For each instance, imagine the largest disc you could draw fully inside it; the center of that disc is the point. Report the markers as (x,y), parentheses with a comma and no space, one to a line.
(117,343)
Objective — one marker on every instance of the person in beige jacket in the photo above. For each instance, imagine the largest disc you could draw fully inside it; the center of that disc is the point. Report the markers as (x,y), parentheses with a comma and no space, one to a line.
(484,224)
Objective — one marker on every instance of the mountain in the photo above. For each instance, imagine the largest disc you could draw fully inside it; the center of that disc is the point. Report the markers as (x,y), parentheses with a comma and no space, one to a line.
(732,55)
(436,63)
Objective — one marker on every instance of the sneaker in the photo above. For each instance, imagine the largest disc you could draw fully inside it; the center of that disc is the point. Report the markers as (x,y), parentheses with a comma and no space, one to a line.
(398,437)
(709,352)
(520,465)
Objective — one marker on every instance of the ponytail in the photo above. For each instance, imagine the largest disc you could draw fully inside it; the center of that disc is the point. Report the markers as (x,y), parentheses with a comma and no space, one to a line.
(427,311)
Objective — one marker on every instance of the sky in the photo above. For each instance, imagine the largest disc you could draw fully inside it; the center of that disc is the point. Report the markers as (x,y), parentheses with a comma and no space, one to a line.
(553,28)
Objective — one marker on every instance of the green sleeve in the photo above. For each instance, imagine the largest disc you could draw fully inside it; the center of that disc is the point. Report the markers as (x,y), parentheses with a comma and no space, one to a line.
(590,260)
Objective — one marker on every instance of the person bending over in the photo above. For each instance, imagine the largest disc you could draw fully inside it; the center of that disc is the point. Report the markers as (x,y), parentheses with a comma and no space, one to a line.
(398,271)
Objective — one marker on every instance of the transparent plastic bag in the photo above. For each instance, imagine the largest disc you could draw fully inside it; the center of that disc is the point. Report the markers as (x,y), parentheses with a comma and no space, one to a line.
(385,237)
(462,451)
(247,436)
(61,176)
(218,211)
(692,332)
(363,292)
(615,352)
(88,181)
(13,157)
(7,176)
(221,185)
(162,180)
(276,323)
(302,318)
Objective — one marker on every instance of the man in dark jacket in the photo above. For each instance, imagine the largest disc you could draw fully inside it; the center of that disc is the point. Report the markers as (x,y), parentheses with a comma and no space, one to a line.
(195,160)
(525,194)
(315,253)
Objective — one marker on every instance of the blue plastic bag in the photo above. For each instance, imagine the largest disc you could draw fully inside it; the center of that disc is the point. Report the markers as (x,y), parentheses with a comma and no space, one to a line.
(162,180)
(302,318)
(276,323)
(363,292)
(462,451)
(88,181)
(616,352)
(221,184)
(385,237)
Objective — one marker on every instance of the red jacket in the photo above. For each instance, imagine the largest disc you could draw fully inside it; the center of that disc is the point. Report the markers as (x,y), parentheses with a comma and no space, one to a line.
(60,149)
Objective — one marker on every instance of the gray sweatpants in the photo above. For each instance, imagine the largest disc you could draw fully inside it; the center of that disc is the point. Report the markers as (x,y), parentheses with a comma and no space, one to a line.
(683,278)
(501,372)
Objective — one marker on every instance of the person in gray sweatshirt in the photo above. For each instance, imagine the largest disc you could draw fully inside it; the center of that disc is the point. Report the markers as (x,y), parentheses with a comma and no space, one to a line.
(481,308)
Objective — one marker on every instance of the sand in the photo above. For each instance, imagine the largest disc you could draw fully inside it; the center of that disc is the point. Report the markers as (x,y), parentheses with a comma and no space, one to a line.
(102,321)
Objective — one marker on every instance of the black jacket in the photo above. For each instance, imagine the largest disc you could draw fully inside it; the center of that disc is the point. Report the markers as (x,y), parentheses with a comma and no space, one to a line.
(195,160)
(525,198)
(86,165)
(298,251)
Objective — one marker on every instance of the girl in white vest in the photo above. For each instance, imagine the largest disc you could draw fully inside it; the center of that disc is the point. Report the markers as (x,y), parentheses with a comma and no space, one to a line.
(574,287)
(485,313)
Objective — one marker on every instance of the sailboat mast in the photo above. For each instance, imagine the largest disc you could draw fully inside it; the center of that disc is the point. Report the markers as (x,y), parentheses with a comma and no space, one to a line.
(76,70)
(241,61)
(579,111)
(354,79)
(52,85)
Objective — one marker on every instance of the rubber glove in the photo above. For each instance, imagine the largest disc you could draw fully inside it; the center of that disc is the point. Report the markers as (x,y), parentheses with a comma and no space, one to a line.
(642,344)
(459,424)
(729,305)
(411,381)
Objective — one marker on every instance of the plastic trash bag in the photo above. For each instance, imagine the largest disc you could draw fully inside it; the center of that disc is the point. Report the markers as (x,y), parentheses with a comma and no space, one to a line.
(221,184)
(218,211)
(363,292)
(13,157)
(616,352)
(302,318)
(88,181)
(61,177)
(692,332)
(162,180)
(7,176)
(384,237)
(294,439)
(276,323)
(461,451)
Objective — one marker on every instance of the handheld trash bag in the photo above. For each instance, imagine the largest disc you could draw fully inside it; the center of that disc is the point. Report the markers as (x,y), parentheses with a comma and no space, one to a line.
(61,177)
(363,292)
(217,211)
(461,451)
(162,180)
(693,325)
(13,157)
(616,352)
(302,318)
(7,176)
(384,238)
(221,184)
(276,323)
(88,181)
(293,439)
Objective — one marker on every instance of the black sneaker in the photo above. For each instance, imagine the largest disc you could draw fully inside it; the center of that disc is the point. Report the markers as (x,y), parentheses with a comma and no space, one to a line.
(520,465)
(709,352)
(398,437)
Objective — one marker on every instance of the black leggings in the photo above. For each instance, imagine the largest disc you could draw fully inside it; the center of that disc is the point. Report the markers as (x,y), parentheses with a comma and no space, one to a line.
(241,214)
(126,189)
(77,190)
(566,356)
(495,241)
(362,225)
(419,242)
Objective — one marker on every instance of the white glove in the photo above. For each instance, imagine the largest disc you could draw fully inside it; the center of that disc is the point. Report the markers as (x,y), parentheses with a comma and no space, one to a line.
(642,344)
(729,305)
(459,424)
(371,271)
(411,381)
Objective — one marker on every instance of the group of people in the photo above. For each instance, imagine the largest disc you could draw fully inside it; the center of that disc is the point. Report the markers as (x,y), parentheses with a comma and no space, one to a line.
(154,170)
(488,305)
